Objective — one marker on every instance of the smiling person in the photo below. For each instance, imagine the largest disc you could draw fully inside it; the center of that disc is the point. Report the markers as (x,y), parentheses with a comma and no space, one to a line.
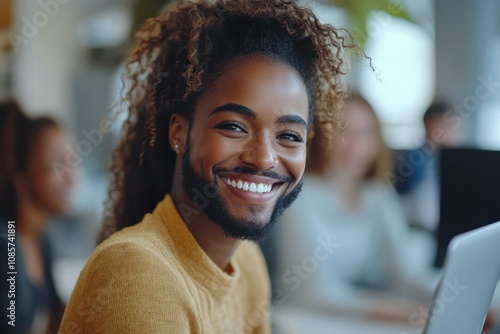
(221,99)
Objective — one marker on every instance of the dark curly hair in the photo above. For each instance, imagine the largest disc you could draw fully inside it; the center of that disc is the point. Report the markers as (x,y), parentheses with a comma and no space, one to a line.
(180,53)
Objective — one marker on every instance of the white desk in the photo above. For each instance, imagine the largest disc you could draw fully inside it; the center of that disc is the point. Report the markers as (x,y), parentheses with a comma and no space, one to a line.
(288,320)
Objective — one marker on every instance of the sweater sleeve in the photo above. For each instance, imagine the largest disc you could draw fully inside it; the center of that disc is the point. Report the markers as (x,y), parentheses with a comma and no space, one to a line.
(265,328)
(125,288)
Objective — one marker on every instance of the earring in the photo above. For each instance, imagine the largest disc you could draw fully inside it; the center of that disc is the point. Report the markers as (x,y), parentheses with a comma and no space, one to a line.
(176,148)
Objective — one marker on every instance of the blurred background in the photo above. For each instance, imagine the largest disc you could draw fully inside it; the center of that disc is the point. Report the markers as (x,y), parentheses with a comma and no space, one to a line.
(64,59)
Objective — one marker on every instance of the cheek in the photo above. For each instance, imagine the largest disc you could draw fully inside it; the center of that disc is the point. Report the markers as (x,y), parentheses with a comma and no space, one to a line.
(211,149)
(343,149)
(371,148)
(40,185)
(49,182)
(295,163)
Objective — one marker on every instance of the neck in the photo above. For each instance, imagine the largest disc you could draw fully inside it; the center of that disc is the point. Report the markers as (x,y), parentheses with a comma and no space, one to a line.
(210,236)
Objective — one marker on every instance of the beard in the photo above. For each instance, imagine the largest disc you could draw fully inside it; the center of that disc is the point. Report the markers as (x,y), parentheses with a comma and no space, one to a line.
(218,211)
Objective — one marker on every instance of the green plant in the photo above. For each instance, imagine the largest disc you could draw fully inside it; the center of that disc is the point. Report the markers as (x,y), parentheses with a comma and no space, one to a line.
(358,12)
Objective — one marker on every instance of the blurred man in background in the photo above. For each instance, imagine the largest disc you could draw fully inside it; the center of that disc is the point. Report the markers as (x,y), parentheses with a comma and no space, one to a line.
(418,170)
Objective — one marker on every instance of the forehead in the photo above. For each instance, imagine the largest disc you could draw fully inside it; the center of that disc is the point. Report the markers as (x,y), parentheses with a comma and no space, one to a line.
(260,83)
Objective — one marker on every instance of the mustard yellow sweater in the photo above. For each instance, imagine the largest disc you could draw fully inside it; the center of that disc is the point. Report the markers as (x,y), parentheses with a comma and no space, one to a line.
(154,278)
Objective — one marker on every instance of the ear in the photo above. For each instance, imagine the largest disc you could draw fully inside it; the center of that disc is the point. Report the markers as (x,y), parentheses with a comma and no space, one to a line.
(178,131)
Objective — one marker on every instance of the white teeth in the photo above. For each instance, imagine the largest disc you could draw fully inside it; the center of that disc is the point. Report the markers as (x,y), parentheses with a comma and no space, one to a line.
(252,186)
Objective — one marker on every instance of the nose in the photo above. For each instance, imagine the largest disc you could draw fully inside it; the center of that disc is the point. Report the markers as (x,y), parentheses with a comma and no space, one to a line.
(260,154)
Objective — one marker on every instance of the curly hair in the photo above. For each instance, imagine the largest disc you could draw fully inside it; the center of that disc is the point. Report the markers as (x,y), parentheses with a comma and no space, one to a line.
(180,53)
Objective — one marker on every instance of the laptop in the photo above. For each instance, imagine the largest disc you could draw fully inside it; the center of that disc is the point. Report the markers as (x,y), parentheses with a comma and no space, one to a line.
(470,276)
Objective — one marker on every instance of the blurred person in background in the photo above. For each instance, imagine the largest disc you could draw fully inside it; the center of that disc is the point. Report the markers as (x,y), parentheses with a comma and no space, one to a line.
(344,245)
(31,194)
(418,170)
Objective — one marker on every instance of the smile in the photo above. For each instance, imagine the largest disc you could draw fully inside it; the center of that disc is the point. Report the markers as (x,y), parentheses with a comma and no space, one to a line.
(250,186)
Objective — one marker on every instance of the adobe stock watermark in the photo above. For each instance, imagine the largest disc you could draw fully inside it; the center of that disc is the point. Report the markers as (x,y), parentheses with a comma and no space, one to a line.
(93,138)
(378,21)
(294,277)
(449,292)
(200,201)
(454,117)
(298,273)
(74,156)
(31,26)
(88,310)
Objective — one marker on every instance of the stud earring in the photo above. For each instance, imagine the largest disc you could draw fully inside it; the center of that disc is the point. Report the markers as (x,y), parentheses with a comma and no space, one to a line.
(176,148)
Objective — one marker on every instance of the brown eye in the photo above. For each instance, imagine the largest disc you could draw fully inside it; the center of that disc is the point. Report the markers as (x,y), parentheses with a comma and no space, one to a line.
(291,136)
(231,126)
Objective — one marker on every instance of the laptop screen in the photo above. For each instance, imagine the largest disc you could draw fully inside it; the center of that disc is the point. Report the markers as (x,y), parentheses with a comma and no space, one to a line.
(470,193)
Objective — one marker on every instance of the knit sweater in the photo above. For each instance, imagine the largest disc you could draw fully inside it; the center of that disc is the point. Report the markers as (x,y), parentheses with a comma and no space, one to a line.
(153,277)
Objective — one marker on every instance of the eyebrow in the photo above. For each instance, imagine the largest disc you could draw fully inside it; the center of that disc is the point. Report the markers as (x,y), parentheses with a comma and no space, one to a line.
(245,111)
(293,119)
(237,108)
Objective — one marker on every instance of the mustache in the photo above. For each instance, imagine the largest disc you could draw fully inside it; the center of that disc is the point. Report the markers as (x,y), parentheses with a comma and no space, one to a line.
(251,171)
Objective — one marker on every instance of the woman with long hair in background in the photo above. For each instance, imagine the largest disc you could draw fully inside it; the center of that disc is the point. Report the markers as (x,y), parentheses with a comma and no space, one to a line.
(348,204)
(31,195)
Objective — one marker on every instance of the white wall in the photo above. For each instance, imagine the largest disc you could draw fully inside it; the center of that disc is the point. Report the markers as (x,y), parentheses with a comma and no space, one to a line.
(44,63)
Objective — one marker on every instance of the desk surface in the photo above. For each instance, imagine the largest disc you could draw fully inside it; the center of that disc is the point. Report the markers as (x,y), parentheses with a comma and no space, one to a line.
(288,320)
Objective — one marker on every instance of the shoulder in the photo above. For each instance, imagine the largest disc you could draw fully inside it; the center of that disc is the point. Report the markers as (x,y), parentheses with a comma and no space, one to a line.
(140,250)
(386,204)
(125,265)
(380,191)
(313,183)
(127,274)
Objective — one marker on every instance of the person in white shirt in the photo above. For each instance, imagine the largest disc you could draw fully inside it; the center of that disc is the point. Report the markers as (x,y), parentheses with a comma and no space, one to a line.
(346,239)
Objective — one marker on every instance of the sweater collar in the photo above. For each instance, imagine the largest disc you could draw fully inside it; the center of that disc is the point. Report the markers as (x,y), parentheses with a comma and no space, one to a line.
(191,255)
